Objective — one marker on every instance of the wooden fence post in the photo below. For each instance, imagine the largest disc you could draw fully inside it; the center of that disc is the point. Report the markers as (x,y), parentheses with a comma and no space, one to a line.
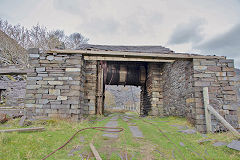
(223,121)
(210,110)
(207,114)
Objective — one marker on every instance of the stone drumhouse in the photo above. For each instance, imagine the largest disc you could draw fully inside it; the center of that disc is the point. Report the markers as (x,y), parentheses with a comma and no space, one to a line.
(70,83)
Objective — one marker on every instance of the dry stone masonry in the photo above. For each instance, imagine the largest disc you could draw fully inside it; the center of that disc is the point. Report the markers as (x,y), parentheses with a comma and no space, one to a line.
(12,92)
(65,85)
(56,88)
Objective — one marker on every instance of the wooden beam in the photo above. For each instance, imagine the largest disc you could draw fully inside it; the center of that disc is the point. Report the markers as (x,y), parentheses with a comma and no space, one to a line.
(223,121)
(136,54)
(95,152)
(126,59)
(100,89)
(23,130)
(207,114)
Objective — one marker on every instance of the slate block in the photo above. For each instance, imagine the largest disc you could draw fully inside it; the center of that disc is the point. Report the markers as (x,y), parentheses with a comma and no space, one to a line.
(235,144)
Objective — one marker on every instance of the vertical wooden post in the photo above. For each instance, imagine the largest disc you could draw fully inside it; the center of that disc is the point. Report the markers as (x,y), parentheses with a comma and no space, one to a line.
(100,89)
(207,114)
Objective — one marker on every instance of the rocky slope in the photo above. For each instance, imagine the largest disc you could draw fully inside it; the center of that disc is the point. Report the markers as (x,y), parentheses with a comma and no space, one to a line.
(117,96)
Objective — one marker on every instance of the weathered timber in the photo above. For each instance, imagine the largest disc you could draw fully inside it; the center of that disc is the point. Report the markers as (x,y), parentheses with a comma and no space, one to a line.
(223,121)
(127,59)
(35,129)
(95,152)
(137,54)
(207,114)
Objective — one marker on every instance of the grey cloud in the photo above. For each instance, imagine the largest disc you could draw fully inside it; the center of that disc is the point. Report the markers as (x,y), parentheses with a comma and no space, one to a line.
(101,26)
(187,32)
(142,21)
(73,6)
(227,43)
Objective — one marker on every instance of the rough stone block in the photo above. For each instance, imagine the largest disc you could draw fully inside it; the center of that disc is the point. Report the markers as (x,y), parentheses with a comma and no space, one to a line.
(40,69)
(43,101)
(73,69)
(33,55)
(214,68)
(55,82)
(230,98)
(33,50)
(190,100)
(228,69)
(233,107)
(221,74)
(200,68)
(208,63)
(33,86)
(34,78)
(202,75)
(62,98)
(231,74)
(73,61)
(202,84)
(63,78)
(50,58)
(54,92)
(70,102)
(43,75)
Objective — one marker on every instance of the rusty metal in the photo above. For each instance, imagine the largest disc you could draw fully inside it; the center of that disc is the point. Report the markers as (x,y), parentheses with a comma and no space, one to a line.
(3,118)
(105,129)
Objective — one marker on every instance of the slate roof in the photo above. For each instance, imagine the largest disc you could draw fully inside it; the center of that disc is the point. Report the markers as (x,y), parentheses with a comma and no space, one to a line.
(141,49)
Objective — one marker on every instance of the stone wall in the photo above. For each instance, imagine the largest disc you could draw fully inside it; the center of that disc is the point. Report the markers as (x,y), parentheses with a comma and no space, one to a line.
(56,87)
(90,87)
(218,76)
(177,89)
(65,85)
(151,102)
(155,88)
(14,91)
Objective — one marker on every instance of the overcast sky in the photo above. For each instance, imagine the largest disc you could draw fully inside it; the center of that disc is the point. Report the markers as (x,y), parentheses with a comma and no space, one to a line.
(192,26)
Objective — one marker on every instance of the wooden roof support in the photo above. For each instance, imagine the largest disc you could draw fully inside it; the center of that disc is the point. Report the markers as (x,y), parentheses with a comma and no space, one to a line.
(137,54)
(126,59)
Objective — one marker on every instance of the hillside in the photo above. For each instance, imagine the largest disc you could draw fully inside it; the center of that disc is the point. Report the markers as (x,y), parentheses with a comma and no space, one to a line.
(10,51)
(117,96)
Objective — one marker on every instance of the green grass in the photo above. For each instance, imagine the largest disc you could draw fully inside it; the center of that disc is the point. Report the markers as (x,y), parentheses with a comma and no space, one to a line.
(154,145)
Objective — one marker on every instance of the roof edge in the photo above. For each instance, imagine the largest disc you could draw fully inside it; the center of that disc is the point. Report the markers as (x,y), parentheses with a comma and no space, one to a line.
(136,54)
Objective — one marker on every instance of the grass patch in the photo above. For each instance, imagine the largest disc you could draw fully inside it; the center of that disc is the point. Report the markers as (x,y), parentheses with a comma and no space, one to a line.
(154,145)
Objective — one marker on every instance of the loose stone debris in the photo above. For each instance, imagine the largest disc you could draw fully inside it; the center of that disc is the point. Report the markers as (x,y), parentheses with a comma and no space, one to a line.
(180,126)
(111,123)
(205,140)
(235,144)
(3,118)
(188,131)
(204,135)
(182,144)
(217,144)
(136,132)
(82,139)
(132,124)
(22,120)
(76,148)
